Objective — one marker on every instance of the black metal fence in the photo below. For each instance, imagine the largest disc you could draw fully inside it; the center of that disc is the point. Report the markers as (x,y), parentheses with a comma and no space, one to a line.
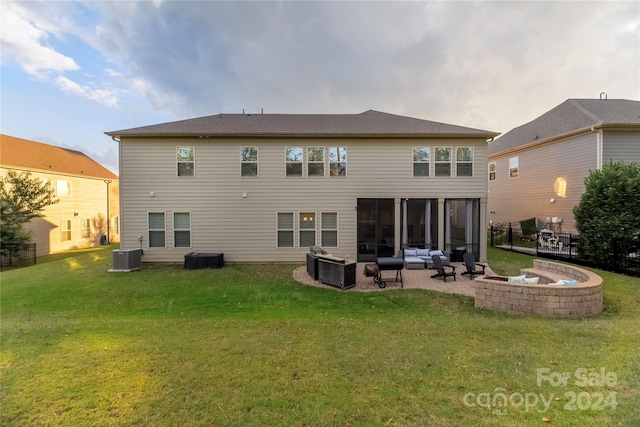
(564,247)
(24,258)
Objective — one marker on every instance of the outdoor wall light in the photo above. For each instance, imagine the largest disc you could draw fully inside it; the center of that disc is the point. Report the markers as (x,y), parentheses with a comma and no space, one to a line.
(245,195)
(552,200)
(152,194)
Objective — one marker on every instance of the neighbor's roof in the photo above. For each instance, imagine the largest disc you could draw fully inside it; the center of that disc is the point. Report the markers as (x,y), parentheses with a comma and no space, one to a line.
(572,116)
(370,123)
(30,155)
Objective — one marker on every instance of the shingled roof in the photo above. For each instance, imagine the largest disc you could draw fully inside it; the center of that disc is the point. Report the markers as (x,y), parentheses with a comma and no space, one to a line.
(570,117)
(368,124)
(18,153)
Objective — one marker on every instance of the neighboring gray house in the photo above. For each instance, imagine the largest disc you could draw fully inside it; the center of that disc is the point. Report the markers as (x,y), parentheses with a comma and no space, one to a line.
(538,169)
(265,187)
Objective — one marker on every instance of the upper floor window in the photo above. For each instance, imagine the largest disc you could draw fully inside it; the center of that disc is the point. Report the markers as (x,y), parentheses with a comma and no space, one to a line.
(293,159)
(338,161)
(181,229)
(156,230)
(421,161)
(249,161)
(315,161)
(186,161)
(285,229)
(492,171)
(442,161)
(63,188)
(464,161)
(513,167)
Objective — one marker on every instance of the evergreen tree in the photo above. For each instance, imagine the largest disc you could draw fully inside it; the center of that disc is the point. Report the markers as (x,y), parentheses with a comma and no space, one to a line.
(22,198)
(608,215)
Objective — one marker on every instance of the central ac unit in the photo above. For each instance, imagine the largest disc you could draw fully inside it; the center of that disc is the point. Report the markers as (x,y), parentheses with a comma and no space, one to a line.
(125,260)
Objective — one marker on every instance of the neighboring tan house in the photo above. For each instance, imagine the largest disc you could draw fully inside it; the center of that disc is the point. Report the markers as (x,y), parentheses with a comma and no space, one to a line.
(266,187)
(81,218)
(538,169)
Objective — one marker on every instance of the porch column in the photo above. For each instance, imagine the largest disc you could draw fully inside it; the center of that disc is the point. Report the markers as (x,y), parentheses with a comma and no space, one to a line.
(483,230)
(405,232)
(441,224)
(396,226)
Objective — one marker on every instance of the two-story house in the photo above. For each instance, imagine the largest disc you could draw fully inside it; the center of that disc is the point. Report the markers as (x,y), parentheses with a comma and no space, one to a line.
(266,187)
(87,213)
(538,169)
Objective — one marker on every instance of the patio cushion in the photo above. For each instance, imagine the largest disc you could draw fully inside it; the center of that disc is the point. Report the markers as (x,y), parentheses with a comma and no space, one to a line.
(410,252)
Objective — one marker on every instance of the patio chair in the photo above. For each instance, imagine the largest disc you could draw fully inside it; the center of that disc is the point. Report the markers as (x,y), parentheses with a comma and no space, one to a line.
(472,266)
(440,269)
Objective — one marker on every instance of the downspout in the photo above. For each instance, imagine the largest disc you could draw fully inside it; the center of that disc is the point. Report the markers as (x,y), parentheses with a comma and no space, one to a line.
(599,148)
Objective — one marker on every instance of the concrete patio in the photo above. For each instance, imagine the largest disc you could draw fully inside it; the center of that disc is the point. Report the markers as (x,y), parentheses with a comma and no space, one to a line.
(412,279)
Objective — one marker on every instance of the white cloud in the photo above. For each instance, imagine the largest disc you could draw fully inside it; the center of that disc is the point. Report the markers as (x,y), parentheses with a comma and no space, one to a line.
(24,41)
(102,96)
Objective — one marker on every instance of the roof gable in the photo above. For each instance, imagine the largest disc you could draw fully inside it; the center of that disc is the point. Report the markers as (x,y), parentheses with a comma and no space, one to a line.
(572,116)
(369,123)
(25,154)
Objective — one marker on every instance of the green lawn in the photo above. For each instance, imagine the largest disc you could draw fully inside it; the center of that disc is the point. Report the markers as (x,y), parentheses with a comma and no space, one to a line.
(247,345)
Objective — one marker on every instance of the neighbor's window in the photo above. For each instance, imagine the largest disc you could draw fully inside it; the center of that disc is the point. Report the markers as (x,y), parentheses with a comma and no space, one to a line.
(315,161)
(181,229)
(513,167)
(156,230)
(285,229)
(249,161)
(420,161)
(338,161)
(115,224)
(492,171)
(329,229)
(65,230)
(63,188)
(442,161)
(186,161)
(293,159)
(86,228)
(464,161)
(307,229)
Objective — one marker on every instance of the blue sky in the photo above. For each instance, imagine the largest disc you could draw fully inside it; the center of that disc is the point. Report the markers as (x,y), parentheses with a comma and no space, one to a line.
(73,70)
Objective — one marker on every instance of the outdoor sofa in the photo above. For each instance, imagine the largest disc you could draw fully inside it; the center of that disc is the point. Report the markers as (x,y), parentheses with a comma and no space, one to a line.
(416,258)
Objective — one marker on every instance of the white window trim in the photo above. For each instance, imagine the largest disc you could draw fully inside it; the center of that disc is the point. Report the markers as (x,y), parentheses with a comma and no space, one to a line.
(257,161)
(64,230)
(178,162)
(436,162)
(301,162)
(346,161)
(173,217)
(471,162)
(309,162)
(149,229)
(292,229)
(337,229)
(492,171)
(428,162)
(514,165)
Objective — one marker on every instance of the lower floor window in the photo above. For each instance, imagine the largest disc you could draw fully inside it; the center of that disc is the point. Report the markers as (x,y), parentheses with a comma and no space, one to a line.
(86,228)
(307,229)
(329,229)
(65,230)
(182,229)
(285,229)
(156,230)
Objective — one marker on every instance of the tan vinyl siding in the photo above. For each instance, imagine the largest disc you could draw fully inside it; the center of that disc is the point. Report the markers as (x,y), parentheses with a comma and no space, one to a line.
(529,195)
(222,220)
(88,199)
(621,145)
